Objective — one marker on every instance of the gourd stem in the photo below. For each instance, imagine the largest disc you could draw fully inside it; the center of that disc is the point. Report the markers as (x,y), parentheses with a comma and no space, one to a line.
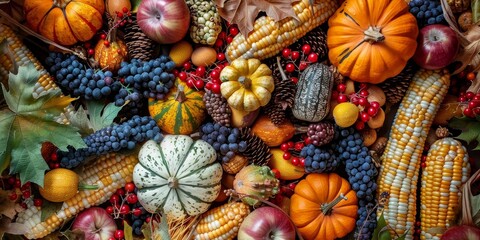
(61,3)
(245,81)
(87,187)
(172,182)
(373,35)
(282,73)
(180,96)
(327,207)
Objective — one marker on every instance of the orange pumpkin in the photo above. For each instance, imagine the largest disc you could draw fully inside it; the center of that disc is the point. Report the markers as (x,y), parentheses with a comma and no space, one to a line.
(110,56)
(323,207)
(65,21)
(371,40)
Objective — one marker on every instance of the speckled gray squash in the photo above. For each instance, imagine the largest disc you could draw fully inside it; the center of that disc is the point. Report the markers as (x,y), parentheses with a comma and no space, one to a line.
(314,88)
(179,176)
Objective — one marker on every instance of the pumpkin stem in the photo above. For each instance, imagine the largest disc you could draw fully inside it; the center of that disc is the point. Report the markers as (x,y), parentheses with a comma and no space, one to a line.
(180,96)
(373,35)
(245,81)
(327,207)
(61,3)
(172,182)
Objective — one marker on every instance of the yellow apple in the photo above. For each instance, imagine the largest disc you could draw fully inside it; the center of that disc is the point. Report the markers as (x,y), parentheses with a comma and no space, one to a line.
(287,170)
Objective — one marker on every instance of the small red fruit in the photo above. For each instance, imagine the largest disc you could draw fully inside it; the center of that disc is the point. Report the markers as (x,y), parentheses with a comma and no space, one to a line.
(110,209)
(190,82)
(286,52)
(114,199)
(130,187)
(13,196)
(294,80)
(364,117)
(284,147)
(287,155)
(276,173)
(295,161)
(220,56)
(200,71)
(216,88)
(299,146)
(120,192)
(124,209)
(359,125)
(103,36)
(91,51)
(295,55)
(37,202)
(119,234)
(364,93)
(302,66)
(199,84)
(306,49)
(233,30)
(312,57)
(471,76)
(372,111)
(342,98)
(341,87)
(229,39)
(375,104)
(290,67)
(218,43)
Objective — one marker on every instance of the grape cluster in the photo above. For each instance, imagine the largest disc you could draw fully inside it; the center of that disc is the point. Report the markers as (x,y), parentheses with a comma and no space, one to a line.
(361,172)
(146,79)
(226,141)
(427,12)
(79,81)
(319,160)
(112,139)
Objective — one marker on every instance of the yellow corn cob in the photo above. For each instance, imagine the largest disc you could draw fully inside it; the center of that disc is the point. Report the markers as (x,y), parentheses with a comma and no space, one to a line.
(235,164)
(109,172)
(401,159)
(447,169)
(269,37)
(23,56)
(221,222)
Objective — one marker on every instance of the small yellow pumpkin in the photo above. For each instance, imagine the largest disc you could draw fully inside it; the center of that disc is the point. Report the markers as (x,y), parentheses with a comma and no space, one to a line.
(247,84)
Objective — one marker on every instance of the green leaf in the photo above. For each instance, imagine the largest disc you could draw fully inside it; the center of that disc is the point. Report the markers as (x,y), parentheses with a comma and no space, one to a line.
(381,231)
(162,230)
(147,230)
(127,231)
(475,4)
(403,236)
(49,208)
(79,119)
(470,130)
(101,116)
(28,122)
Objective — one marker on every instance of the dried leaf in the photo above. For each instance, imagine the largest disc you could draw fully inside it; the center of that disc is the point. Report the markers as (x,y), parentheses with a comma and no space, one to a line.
(475,4)
(76,234)
(449,108)
(470,130)
(127,231)
(7,207)
(244,12)
(7,226)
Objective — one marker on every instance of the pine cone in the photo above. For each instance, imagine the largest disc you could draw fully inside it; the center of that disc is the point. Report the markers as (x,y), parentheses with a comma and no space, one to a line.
(139,45)
(396,87)
(217,107)
(275,112)
(321,133)
(257,152)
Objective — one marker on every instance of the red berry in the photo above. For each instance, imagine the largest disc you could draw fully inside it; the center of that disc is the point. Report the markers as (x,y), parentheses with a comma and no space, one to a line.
(372,111)
(294,80)
(375,104)
(26,186)
(364,93)
(295,55)
(106,43)
(292,185)
(233,30)
(423,164)
(114,199)
(468,112)
(87,45)
(91,51)
(354,99)
(220,56)
(302,66)
(298,146)
(359,125)
(175,72)
(341,87)
(187,65)
(200,71)
(199,84)
(13,196)
(119,15)
(287,155)
(125,9)
(295,161)
(137,212)
(119,234)
(124,209)
(306,49)
(190,82)
(284,147)
(23,205)
(363,102)
(215,74)
(222,35)
(476,98)
(476,111)
(120,192)
(182,76)
(364,117)
(307,140)
(56,165)
(312,57)
(276,173)
(290,67)
(37,202)
(473,104)
(424,158)
(18,184)
(291,144)
(11,180)
(208,85)
(229,39)
(342,98)
(219,43)
(286,52)
(302,162)
(471,76)
(363,86)
(462,99)
(26,194)
(110,209)
(470,95)
(132,198)
(103,36)
(216,88)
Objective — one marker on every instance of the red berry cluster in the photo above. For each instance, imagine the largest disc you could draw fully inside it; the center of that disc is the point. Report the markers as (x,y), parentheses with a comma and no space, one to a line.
(121,200)
(471,102)
(360,98)
(19,192)
(200,77)
(291,152)
(225,37)
(418,230)
(297,61)
(49,154)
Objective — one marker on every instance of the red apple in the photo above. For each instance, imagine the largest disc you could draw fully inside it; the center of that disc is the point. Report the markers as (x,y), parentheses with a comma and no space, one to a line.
(165,21)
(437,46)
(463,232)
(266,223)
(96,223)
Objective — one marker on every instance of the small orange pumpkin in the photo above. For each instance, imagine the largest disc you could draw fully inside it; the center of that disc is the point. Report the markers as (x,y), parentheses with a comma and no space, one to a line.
(110,56)
(65,21)
(323,207)
(371,40)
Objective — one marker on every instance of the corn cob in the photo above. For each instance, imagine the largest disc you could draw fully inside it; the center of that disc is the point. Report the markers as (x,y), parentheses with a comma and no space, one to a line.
(109,172)
(235,164)
(401,159)
(269,37)
(22,56)
(206,22)
(221,222)
(447,169)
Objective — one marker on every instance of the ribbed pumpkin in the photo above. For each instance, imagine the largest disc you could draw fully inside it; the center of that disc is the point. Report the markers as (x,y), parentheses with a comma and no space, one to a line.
(323,207)
(179,176)
(181,112)
(65,21)
(312,98)
(247,84)
(371,40)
